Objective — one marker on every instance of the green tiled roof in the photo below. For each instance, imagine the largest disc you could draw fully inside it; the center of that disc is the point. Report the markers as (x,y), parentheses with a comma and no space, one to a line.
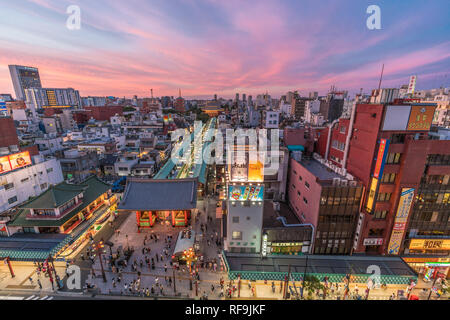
(32,247)
(93,189)
(55,196)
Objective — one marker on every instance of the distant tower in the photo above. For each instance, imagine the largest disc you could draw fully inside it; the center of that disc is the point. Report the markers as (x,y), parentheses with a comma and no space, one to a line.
(215,97)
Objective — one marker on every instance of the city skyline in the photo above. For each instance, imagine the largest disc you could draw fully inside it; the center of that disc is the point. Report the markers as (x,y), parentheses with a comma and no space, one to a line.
(213,47)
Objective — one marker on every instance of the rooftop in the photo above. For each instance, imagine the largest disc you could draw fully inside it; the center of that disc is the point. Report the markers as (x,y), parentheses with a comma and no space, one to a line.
(326,264)
(159,194)
(93,188)
(319,170)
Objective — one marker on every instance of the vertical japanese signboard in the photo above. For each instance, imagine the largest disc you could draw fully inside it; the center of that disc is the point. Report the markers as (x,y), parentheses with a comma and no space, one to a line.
(404,206)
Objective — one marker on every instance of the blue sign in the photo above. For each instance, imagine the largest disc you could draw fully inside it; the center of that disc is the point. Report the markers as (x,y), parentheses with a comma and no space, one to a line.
(246,193)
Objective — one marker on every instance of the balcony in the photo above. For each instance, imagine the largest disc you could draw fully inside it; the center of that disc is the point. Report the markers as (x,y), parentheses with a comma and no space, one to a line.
(52,217)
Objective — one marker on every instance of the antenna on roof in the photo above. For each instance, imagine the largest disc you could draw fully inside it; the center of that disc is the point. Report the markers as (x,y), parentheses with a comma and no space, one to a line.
(381,77)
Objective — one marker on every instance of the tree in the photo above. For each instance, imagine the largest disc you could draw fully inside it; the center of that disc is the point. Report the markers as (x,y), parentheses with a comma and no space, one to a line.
(311,285)
(126,109)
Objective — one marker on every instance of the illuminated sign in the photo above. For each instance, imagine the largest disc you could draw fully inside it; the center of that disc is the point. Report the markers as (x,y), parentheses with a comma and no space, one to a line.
(371,197)
(264,246)
(56,107)
(14,161)
(5,166)
(373,241)
(246,193)
(401,218)
(381,158)
(429,244)
(420,118)
(255,171)
(412,84)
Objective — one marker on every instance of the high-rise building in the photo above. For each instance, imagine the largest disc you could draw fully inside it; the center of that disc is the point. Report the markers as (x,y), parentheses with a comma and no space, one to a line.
(405,169)
(24,78)
(38,98)
(331,108)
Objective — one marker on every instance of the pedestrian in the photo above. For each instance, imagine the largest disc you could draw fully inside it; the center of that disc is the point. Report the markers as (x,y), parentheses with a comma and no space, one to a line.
(212,288)
(165,267)
(157,258)
(156,280)
(39,283)
(31,280)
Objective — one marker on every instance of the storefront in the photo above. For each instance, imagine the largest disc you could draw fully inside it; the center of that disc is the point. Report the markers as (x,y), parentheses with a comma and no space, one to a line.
(429,267)
(437,263)
(176,218)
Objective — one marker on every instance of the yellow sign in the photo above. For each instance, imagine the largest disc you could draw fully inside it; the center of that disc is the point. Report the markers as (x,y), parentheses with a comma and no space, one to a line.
(55,106)
(420,118)
(401,218)
(429,244)
(255,171)
(371,197)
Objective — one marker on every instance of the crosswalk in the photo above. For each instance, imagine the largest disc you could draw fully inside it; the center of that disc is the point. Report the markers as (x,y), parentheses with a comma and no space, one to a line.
(34,297)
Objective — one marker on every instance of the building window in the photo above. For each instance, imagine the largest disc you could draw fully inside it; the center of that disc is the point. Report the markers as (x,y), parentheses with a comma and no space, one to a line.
(293,186)
(28,230)
(300,178)
(393,158)
(376,232)
(388,178)
(305,200)
(9,186)
(380,215)
(342,129)
(49,170)
(237,235)
(298,192)
(440,159)
(235,219)
(384,197)
(398,138)
(306,184)
(12,200)
(248,218)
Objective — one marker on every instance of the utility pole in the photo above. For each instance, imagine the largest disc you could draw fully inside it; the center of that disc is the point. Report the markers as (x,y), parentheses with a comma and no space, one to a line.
(50,259)
(286,283)
(99,247)
(239,286)
(8,262)
(434,282)
(174,281)
(304,277)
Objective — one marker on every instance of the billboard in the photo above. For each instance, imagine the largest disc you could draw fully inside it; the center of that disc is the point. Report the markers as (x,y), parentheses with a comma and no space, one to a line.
(5,166)
(396,117)
(14,161)
(430,244)
(401,218)
(412,84)
(246,193)
(420,118)
(371,196)
(381,158)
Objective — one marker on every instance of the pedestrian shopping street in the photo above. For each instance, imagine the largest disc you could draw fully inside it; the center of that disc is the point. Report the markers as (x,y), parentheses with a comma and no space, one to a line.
(127,235)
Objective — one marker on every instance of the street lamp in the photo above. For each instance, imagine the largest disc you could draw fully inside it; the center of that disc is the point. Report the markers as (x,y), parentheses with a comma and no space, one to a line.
(99,247)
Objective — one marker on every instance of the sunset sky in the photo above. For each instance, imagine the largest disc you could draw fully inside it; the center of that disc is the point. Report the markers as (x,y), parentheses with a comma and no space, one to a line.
(204,47)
